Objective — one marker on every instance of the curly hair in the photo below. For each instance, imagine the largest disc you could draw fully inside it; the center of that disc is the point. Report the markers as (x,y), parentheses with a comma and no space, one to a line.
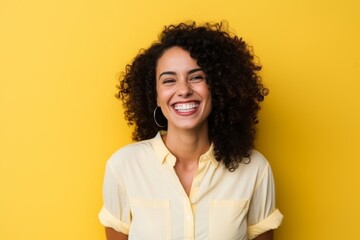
(232,75)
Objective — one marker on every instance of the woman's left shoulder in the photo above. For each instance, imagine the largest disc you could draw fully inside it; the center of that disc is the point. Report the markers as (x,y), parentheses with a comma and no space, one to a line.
(257,160)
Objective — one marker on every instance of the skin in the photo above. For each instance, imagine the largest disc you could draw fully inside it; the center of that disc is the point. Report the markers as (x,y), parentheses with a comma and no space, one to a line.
(111,234)
(181,83)
(179,80)
(269,235)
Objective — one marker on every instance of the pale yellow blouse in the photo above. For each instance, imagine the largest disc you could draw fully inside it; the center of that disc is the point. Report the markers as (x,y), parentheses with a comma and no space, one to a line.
(144,198)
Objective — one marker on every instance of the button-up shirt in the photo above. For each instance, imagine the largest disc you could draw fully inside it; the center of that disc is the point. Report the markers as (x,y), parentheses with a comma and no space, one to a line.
(144,198)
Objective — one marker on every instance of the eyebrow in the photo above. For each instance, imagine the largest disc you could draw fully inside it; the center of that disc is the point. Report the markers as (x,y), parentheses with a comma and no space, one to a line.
(173,73)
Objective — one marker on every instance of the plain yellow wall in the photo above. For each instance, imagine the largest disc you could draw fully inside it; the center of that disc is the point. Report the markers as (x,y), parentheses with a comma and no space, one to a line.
(59,120)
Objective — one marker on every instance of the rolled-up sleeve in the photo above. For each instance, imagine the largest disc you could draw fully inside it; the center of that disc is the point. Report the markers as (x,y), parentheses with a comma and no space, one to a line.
(115,212)
(262,215)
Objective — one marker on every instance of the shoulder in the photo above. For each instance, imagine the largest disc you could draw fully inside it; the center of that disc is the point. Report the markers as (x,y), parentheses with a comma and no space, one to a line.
(253,166)
(131,152)
(257,159)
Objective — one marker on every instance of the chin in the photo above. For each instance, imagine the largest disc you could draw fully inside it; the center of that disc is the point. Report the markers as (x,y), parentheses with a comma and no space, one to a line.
(189,126)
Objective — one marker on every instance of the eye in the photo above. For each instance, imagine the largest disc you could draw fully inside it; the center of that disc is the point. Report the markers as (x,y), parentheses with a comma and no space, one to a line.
(168,81)
(197,78)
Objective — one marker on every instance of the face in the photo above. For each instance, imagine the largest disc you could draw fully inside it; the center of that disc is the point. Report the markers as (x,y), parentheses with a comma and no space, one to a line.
(182,90)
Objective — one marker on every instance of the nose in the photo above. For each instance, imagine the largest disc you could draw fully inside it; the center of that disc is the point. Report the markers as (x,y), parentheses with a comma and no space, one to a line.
(184,89)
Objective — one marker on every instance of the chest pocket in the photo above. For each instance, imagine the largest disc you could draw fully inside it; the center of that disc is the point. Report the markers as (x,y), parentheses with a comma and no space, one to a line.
(228,219)
(150,219)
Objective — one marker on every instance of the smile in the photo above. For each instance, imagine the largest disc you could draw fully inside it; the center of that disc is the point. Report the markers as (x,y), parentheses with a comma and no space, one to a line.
(186,107)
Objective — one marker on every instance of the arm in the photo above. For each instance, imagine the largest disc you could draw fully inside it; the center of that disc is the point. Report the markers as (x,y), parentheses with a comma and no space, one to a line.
(263,216)
(111,234)
(115,213)
(266,236)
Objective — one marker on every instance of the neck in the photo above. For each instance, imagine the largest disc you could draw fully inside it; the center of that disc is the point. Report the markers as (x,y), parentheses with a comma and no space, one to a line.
(187,146)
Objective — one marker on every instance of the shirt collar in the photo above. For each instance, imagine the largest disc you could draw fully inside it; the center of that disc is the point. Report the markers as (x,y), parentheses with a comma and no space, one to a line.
(159,147)
(164,154)
(210,156)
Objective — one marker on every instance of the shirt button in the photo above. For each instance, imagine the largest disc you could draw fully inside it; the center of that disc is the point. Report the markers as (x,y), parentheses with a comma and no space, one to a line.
(193,201)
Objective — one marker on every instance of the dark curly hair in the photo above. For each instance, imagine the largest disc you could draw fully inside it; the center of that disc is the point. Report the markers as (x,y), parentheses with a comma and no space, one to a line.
(231,71)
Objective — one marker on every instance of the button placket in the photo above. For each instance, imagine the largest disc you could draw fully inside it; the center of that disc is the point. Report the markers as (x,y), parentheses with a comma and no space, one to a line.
(189,220)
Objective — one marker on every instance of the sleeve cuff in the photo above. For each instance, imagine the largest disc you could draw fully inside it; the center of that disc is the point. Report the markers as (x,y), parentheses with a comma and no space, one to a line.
(109,220)
(273,221)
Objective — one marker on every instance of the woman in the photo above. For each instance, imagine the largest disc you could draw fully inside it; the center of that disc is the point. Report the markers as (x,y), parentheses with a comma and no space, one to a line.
(193,97)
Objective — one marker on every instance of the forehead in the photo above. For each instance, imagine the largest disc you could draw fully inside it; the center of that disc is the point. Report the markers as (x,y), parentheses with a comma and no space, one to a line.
(175,59)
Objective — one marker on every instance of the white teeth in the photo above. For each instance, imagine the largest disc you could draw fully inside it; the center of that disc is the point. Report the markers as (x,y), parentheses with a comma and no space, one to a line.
(185,107)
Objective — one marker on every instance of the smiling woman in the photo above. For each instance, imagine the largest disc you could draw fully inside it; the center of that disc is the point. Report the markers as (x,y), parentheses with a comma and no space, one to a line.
(182,92)
(200,178)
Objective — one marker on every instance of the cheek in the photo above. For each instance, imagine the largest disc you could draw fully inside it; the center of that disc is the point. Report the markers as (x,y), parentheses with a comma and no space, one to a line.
(208,96)
(157,98)
(157,95)
(162,96)
(205,92)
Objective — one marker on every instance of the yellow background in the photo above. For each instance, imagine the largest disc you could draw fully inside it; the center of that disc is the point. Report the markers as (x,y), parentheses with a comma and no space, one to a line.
(59,120)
